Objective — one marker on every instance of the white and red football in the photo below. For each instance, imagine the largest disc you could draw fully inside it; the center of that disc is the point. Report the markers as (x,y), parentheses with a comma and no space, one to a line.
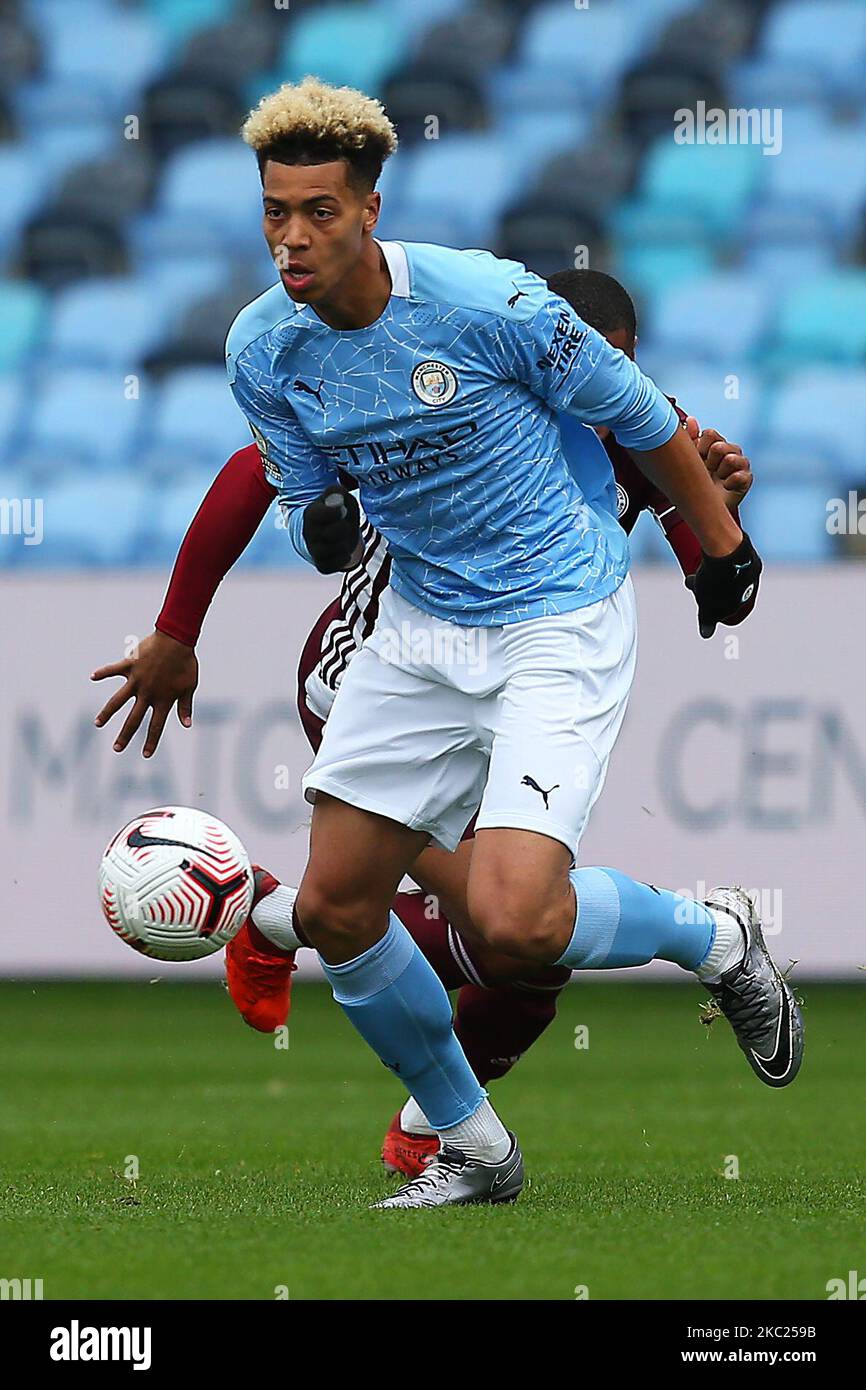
(175,883)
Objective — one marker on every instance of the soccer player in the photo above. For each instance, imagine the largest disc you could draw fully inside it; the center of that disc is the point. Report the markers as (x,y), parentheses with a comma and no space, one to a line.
(434,376)
(499,1011)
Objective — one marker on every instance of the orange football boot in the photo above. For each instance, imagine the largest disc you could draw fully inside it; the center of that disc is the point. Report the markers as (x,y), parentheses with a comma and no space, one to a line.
(407,1154)
(259,974)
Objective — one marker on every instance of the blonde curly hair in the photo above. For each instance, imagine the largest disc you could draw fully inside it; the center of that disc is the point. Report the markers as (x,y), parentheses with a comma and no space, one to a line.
(311,122)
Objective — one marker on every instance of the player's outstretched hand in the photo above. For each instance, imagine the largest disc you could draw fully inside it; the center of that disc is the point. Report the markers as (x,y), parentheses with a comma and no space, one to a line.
(727,465)
(163,672)
(723,584)
(332,527)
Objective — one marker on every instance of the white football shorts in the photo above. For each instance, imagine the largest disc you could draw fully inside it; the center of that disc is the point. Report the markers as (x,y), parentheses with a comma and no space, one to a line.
(434,720)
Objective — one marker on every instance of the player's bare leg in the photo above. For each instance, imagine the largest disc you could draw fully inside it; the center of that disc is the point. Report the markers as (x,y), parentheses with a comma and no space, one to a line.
(598,918)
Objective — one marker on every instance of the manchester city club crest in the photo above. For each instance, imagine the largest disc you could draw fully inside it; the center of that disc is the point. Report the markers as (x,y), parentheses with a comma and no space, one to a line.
(434,383)
(621,500)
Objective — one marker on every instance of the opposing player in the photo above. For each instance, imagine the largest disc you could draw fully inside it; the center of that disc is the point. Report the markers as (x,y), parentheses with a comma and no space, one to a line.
(434,376)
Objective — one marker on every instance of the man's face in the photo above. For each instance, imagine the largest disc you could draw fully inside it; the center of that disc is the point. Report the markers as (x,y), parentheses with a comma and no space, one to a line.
(315,222)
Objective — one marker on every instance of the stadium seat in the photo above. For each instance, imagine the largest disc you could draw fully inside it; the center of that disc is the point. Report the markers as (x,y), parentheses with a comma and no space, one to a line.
(474,39)
(822,162)
(788,522)
(90,521)
(83,416)
(785,240)
(655,87)
(180,18)
(596,176)
(12,403)
(182,108)
(828,35)
(724,315)
(193,415)
(415,92)
(90,247)
(224,173)
(22,322)
(758,80)
(658,245)
(727,397)
(113,189)
(595,44)
(715,182)
(95,41)
(544,237)
(520,87)
(823,318)
(482,163)
(233,52)
(21,192)
(823,408)
(106,323)
(349,45)
(56,151)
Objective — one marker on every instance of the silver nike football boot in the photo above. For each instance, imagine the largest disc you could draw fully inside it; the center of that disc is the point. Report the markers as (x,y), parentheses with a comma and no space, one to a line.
(451,1179)
(755,999)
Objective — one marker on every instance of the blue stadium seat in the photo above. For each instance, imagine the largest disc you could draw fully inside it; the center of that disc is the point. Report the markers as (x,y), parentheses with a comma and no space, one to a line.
(538,89)
(786,239)
(111,322)
(413,20)
(58,150)
(50,103)
(822,410)
(95,41)
(595,44)
(823,318)
(181,279)
(21,192)
(722,315)
(180,18)
(13,398)
(82,416)
(788,522)
(90,521)
(822,162)
(708,393)
(349,45)
(717,182)
(483,164)
(538,136)
(828,35)
(193,416)
(759,81)
(223,174)
(22,321)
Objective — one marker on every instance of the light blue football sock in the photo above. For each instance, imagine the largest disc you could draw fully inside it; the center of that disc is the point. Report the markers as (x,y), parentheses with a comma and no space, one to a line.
(620,922)
(393,997)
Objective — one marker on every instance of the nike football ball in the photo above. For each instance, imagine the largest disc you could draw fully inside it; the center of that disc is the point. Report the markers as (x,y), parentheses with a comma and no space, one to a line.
(175,884)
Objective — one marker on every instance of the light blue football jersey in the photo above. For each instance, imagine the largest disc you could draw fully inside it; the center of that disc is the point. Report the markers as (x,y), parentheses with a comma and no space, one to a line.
(445,411)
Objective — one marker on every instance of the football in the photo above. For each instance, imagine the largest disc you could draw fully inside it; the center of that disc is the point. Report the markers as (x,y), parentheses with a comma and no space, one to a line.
(175,884)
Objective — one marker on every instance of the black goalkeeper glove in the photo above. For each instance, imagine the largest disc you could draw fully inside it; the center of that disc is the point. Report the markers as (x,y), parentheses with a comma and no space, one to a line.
(331,529)
(721,585)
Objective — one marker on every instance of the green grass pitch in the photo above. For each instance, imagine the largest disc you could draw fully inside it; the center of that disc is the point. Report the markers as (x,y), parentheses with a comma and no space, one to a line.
(257,1164)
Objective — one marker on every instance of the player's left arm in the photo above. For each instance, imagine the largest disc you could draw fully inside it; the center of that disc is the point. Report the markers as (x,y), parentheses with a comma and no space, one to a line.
(574,368)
